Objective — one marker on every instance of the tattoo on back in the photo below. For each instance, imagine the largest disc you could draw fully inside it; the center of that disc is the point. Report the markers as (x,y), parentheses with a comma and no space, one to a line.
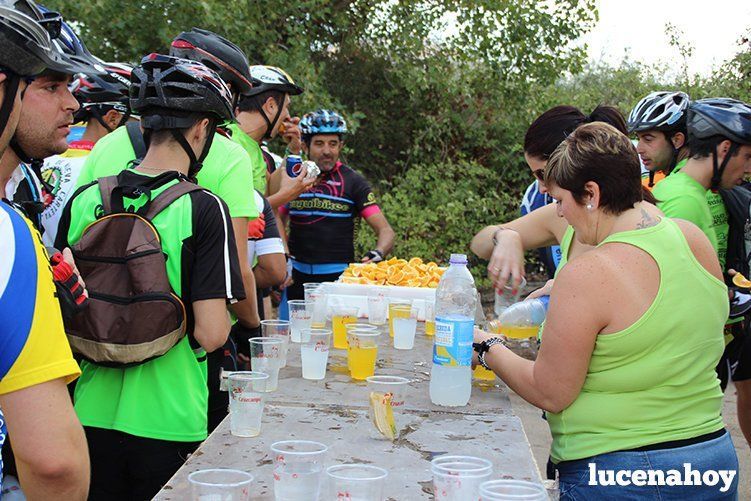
(646,220)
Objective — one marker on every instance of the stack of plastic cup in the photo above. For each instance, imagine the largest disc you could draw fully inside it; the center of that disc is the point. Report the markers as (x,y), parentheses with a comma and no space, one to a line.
(298,469)
(247,392)
(300,317)
(362,352)
(458,478)
(315,293)
(266,356)
(359,482)
(277,329)
(386,395)
(512,490)
(221,484)
(314,353)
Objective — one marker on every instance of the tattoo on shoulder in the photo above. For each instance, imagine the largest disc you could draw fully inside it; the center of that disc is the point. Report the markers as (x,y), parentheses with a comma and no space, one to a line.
(647,220)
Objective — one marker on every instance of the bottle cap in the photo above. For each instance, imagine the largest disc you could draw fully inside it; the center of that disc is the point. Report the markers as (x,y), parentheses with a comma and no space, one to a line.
(458,259)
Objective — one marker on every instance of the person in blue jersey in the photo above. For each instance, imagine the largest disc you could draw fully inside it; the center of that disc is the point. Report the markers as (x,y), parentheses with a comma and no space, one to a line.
(35,360)
(533,199)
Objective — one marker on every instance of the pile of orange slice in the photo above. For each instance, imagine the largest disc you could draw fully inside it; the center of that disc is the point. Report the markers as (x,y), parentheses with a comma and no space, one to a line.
(412,273)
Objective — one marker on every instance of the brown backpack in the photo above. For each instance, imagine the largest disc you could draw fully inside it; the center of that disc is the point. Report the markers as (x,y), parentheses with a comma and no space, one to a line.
(133,314)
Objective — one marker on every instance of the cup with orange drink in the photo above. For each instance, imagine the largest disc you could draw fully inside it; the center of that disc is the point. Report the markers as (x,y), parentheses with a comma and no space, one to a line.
(342,316)
(362,352)
(429,317)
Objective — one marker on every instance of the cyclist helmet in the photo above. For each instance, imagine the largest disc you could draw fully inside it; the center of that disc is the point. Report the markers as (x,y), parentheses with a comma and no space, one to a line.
(322,122)
(171,93)
(661,111)
(272,78)
(73,56)
(98,94)
(217,53)
(724,117)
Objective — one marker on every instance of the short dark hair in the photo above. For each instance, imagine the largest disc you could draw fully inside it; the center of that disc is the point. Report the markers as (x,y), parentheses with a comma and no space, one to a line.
(702,148)
(600,153)
(307,139)
(252,103)
(553,126)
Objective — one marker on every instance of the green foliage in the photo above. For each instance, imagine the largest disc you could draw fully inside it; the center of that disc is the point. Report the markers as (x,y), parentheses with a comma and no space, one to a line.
(438,94)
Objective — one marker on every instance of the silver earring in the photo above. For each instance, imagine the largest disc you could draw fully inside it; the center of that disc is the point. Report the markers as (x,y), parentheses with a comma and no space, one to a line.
(589,206)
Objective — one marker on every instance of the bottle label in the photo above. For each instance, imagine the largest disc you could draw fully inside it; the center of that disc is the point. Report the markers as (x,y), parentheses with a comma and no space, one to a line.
(453,342)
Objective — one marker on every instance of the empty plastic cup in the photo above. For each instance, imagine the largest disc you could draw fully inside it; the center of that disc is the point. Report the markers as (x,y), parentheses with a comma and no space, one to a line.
(405,326)
(298,469)
(342,316)
(220,484)
(362,353)
(278,329)
(246,399)
(377,308)
(458,478)
(300,317)
(512,490)
(359,482)
(266,356)
(385,401)
(314,353)
(507,296)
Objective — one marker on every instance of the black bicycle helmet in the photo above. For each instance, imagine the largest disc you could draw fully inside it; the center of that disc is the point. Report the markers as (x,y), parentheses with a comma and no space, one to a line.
(171,93)
(97,94)
(724,117)
(72,56)
(216,52)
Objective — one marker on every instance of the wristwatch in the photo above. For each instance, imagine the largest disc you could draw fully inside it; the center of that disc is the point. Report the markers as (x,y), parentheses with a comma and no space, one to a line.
(484,347)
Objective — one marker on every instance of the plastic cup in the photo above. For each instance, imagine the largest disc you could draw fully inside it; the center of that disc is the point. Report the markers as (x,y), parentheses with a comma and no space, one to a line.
(482,374)
(377,308)
(359,482)
(395,303)
(359,326)
(343,315)
(314,353)
(300,317)
(266,356)
(405,326)
(362,352)
(277,329)
(512,490)
(298,469)
(506,297)
(429,318)
(385,399)
(247,393)
(220,484)
(458,478)
(316,294)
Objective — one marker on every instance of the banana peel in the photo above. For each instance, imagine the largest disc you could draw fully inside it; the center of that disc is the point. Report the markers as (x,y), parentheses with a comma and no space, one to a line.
(382,414)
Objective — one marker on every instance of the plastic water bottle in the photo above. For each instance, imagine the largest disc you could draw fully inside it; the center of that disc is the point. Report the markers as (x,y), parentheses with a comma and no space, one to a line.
(522,320)
(456,299)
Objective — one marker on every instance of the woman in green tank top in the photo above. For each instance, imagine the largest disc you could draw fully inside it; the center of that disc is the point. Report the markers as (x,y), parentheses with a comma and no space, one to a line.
(632,336)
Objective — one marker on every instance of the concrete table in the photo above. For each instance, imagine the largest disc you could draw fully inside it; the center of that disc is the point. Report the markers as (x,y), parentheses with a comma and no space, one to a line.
(334,412)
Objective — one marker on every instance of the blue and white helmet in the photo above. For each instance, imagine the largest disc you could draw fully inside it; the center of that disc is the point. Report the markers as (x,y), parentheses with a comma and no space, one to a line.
(661,110)
(322,122)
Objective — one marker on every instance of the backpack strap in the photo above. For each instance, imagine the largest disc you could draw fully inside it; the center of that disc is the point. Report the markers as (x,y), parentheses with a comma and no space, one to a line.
(136,139)
(165,198)
(106,187)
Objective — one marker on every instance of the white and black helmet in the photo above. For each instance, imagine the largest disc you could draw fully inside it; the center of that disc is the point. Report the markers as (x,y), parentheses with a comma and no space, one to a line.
(266,78)
(662,111)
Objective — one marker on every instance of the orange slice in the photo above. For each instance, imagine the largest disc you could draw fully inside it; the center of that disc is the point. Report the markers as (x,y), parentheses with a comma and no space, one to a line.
(740,281)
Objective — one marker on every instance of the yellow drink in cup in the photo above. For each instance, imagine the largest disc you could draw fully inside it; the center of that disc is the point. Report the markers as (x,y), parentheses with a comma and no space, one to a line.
(362,362)
(394,312)
(430,327)
(430,318)
(483,374)
(520,332)
(341,317)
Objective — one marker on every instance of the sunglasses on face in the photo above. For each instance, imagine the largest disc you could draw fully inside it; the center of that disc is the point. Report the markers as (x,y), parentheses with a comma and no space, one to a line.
(539,174)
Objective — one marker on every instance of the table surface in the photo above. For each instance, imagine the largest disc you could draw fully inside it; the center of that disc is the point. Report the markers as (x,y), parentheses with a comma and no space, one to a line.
(335,411)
